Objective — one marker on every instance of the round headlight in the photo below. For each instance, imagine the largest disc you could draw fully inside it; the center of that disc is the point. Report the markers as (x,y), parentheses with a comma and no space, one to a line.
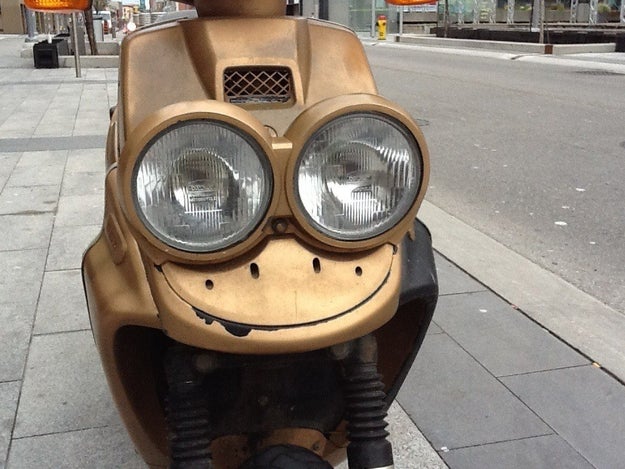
(358,175)
(202,185)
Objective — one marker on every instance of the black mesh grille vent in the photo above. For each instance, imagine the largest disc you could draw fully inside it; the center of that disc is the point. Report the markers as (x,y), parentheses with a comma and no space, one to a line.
(257,85)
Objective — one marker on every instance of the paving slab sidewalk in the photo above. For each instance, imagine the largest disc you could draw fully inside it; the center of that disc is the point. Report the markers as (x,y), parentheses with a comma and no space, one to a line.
(491,388)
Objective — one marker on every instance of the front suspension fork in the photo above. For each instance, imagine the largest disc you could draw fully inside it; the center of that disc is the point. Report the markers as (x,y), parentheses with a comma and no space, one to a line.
(365,406)
(187,413)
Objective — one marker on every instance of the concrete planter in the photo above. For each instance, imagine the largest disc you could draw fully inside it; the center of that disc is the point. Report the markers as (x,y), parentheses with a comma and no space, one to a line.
(557,16)
(522,16)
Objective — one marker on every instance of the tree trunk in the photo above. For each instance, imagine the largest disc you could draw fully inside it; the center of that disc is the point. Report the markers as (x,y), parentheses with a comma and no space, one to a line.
(90,34)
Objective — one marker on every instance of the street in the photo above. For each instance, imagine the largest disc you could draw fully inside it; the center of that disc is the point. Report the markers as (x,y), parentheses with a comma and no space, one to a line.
(529,154)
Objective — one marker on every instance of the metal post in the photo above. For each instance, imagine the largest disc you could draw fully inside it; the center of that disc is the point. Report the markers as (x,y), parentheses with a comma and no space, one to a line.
(510,12)
(592,19)
(401,20)
(574,4)
(541,21)
(373,18)
(57,23)
(76,52)
(492,11)
(535,23)
(48,21)
(31,26)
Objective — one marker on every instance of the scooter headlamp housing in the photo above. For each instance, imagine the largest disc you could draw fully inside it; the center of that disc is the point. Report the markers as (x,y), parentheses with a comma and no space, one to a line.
(202,185)
(358,175)
(201,181)
(198,181)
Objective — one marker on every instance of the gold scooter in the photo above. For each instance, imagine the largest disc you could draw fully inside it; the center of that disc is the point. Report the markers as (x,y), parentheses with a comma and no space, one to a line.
(260,286)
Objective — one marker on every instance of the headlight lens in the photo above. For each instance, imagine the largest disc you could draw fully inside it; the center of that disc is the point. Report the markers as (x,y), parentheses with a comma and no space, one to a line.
(202,185)
(358,175)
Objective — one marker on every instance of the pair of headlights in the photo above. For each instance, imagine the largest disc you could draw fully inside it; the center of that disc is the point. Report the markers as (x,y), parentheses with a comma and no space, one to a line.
(203,185)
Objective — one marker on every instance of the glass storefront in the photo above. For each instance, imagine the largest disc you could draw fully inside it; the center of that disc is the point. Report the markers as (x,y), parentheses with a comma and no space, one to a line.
(360,14)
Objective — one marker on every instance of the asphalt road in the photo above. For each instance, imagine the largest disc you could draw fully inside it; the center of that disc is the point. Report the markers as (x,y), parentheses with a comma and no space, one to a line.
(533,155)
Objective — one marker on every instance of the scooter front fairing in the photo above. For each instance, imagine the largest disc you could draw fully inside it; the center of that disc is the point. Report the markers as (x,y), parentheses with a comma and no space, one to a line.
(291,296)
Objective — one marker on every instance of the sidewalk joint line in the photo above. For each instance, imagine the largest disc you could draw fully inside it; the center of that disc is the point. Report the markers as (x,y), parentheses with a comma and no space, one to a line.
(45,334)
(11,381)
(96,427)
(535,321)
(525,373)
(470,292)
(478,445)
(71,269)
(57,82)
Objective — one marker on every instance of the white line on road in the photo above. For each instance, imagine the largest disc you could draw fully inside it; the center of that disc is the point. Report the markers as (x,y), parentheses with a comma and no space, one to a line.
(447,50)
(599,61)
(571,62)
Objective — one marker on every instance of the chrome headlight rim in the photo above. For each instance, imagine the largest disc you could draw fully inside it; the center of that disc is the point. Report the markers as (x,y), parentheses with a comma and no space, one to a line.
(378,109)
(151,127)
